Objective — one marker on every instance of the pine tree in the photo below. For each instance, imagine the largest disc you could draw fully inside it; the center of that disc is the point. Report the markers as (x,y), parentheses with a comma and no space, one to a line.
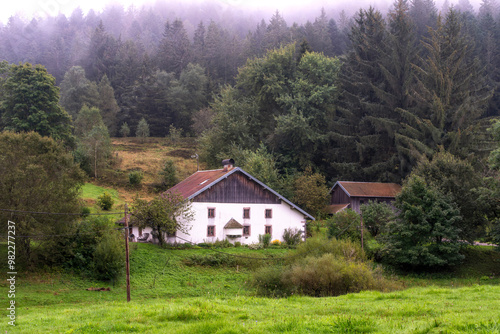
(174,51)
(354,144)
(424,14)
(199,43)
(107,104)
(322,41)
(451,95)
(277,34)
(77,91)
(101,54)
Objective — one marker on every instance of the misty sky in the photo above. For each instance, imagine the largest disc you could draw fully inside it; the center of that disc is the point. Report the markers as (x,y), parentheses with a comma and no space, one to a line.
(43,8)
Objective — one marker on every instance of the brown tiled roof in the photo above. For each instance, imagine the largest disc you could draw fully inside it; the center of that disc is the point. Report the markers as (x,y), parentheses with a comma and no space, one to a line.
(334,208)
(197,182)
(232,223)
(370,189)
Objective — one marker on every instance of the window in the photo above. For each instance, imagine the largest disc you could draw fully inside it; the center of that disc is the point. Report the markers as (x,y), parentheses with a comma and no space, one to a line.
(269,213)
(268,229)
(211,212)
(171,235)
(246,230)
(211,231)
(246,213)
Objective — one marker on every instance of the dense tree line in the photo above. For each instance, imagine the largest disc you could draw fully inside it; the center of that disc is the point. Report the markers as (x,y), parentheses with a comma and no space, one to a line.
(362,98)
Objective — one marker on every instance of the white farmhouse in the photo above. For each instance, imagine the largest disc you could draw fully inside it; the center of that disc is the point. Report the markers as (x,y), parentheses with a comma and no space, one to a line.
(231,204)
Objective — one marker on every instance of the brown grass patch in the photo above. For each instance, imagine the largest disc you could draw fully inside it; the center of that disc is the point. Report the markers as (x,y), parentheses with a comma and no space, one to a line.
(149,156)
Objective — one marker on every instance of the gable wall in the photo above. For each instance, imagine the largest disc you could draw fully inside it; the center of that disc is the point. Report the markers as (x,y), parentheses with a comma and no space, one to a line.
(338,196)
(237,188)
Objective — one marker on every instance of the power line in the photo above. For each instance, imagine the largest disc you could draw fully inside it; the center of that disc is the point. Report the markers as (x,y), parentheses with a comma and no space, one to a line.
(62,213)
(57,235)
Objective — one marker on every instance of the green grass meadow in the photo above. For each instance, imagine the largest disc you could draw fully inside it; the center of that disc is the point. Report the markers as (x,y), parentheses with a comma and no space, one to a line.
(170,296)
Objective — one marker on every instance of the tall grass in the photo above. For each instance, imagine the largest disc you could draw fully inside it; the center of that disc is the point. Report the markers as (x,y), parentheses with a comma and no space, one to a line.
(417,310)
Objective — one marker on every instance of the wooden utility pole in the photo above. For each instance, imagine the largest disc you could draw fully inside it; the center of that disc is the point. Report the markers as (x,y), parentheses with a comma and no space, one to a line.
(362,247)
(126,253)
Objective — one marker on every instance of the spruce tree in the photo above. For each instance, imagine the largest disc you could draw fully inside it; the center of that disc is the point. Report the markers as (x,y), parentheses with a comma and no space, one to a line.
(451,95)
(108,105)
(174,51)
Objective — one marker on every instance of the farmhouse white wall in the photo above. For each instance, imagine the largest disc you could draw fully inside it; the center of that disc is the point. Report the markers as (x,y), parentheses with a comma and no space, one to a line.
(283,216)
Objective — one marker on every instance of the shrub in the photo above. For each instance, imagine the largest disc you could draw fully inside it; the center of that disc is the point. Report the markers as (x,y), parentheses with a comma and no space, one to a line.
(276,242)
(292,236)
(109,257)
(330,275)
(135,178)
(317,246)
(344,225)
(255,245)
(237,244)
(269,281)
(105,201)
(168,176)
(97,249)
(376,216)
(85,211)
(373,249)
(265,239)
(174,134)
(222,243)
(322,267)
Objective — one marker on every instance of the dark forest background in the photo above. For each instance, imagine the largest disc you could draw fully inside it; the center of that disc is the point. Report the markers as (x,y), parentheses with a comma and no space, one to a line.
(358,96)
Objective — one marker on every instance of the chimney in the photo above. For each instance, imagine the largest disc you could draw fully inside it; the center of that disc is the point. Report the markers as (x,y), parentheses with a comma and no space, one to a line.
(228,164)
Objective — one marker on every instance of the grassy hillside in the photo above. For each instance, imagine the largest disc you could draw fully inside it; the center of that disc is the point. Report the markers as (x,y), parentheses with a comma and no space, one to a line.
(171,296)
(146,155)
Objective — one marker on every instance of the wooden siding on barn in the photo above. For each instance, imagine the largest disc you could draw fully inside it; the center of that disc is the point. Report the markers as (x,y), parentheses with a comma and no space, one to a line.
(356,202)
(237,188)
(339,196)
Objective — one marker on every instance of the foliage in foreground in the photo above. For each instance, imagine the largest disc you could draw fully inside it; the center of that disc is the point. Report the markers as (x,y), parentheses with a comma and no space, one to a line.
(97,249)
(320,268)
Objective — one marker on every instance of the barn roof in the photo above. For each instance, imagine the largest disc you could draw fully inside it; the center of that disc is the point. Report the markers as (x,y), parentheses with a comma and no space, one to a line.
(334,208)
(369,189)
(203,180)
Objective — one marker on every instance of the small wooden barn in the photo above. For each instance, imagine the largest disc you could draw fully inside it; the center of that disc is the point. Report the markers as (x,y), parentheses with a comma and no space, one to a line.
(351,195)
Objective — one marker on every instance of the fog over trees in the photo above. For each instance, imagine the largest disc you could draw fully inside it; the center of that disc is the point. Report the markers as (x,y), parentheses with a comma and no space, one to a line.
(396,81)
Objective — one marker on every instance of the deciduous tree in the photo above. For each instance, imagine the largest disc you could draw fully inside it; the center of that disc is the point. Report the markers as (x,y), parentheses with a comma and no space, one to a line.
(31,103)
(38,175)
(165,214)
